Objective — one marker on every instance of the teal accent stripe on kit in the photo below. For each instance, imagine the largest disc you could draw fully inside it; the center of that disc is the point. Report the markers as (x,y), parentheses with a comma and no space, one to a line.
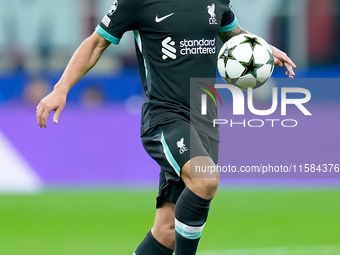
(107,36)
(169,156)
(229,27)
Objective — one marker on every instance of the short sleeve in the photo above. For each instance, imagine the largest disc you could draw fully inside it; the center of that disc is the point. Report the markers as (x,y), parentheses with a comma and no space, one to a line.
(229,20)
(120,18)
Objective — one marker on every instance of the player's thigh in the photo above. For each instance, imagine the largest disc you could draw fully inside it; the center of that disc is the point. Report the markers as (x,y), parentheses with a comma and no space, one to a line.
(174,145)
(201,166)
(171,146)
(200,173)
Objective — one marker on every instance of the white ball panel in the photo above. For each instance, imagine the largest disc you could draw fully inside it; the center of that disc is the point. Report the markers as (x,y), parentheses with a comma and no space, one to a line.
(265,44)
(236,40)
(247,81)
(261,55)
(234,69)
(264,72)
(243,52)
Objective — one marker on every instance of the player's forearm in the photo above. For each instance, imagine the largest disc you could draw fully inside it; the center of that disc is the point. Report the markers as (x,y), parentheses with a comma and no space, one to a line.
(82,61)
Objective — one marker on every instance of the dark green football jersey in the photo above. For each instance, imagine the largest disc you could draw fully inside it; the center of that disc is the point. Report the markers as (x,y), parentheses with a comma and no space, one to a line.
(176,41)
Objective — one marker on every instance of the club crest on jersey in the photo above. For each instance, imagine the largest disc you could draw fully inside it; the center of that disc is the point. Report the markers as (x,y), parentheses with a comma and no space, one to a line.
(113,8)
(211,11)
(182,148)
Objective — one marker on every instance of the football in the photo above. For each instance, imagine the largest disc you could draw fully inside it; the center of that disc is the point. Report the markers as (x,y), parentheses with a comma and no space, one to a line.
(245,61)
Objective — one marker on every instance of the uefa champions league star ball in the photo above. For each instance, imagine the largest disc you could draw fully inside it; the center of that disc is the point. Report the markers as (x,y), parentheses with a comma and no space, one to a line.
(246,61)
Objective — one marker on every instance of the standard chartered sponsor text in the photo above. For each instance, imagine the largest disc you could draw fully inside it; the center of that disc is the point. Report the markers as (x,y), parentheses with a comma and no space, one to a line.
(202,46)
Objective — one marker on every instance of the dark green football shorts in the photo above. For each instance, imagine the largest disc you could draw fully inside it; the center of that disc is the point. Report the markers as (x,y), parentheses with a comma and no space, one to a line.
(172,145)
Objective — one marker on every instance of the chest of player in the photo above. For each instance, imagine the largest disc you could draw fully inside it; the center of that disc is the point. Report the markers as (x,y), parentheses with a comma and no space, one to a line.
(181,17)
(180,28)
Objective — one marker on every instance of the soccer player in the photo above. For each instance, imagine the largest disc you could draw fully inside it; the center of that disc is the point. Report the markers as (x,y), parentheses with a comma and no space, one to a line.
(175,41)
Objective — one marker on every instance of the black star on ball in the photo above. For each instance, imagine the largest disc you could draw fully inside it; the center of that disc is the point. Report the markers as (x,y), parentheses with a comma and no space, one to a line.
(251,67)
(252,41)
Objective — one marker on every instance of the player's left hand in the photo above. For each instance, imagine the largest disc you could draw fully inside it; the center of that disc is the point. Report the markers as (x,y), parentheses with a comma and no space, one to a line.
(281,59)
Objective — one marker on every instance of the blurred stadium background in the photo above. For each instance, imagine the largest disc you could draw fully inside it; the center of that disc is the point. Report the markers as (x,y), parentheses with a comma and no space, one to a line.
(86,186)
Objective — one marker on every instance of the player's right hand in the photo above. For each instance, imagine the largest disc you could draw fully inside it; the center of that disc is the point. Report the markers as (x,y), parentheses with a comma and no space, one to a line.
(55,101)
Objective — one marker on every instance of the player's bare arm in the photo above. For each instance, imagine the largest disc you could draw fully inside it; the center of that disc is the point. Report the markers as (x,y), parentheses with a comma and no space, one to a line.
(280,57)
(85,57)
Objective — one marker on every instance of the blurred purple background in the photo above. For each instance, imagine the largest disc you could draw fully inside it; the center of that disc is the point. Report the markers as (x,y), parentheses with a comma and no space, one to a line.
(102,146)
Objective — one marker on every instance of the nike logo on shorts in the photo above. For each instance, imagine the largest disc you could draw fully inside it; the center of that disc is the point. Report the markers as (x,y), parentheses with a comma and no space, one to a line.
(163,18)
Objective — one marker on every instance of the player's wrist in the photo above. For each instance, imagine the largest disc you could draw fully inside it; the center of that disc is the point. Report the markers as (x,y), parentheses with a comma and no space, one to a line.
(61,89)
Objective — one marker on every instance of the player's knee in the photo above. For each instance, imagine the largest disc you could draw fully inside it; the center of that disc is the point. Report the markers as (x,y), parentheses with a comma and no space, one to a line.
(203,184)
(209,186)
(204,187)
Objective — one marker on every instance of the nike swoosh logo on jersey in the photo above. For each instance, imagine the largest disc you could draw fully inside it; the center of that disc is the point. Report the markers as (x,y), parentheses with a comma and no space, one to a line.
(163,18)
